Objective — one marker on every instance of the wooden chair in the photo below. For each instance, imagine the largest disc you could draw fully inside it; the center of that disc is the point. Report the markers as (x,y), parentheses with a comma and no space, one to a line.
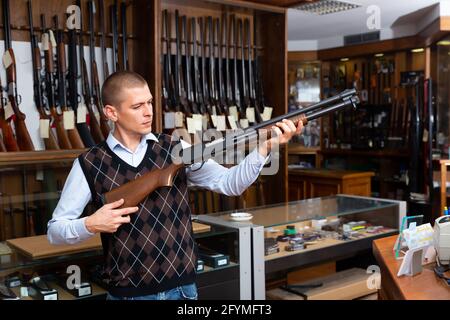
(444,178)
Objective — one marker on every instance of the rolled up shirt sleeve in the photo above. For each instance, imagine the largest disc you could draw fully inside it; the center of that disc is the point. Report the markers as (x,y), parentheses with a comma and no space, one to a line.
(66,226)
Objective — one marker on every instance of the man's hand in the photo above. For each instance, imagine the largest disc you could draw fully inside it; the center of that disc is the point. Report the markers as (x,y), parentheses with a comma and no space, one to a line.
(108,219)
(281,134)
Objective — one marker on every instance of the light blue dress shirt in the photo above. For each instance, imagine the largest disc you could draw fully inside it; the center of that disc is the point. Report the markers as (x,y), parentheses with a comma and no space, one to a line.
(66,226)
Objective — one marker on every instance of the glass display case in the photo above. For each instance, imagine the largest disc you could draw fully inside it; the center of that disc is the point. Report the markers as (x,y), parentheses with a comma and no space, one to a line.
(312,231)
(30,187)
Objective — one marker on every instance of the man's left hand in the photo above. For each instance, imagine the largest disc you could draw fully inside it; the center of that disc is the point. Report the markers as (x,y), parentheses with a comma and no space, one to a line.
(282,133)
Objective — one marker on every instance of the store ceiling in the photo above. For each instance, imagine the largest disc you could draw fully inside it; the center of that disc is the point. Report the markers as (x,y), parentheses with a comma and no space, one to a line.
(397,19)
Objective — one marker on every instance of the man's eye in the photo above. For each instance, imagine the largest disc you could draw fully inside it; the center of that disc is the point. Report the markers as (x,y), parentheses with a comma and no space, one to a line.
(137,107)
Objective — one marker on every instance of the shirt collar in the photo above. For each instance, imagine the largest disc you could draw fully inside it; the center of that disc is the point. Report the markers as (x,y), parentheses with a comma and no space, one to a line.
(114,143)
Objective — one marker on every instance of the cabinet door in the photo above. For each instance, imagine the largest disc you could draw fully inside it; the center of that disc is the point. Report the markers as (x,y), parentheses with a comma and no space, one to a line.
(323,188)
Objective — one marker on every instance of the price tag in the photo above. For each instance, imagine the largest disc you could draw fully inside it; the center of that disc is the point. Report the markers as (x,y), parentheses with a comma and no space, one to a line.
(205,122)
(44,128)
(169,120)
(267,114)
(9,112)
(221,123)
(214,110)
(190,125)
(232,121)
(179,119)
(45,42)
(24,292)
(214,120)
(81,113)
(250,114)
(69,120)
(7,59)
(198,122)
(244,123)
(233,112)
(84,291)
(52,38)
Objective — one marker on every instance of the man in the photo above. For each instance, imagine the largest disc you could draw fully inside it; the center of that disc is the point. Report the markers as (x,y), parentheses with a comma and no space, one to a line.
(149,250)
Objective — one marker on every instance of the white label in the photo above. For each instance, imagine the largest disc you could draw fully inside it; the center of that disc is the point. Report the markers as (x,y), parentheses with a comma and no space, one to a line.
(267,114)
(179,119)
(45,42)
(24,292)
(232,121)
(39,175)
(169,120)
(214,110)
(7,60)
(86,291)
(53,296)
(52,39)
(221,123)
(69,120)
(200,267)
(250,113)
(234,112)
(81,113)
(222,262)
(44,128)
(205,122)
(190,125)
(198,122)
(9,112)
(214,120)
(244,123)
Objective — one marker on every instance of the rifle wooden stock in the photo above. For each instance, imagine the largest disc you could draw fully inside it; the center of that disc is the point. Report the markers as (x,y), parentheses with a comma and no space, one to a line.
(135,191)
(8,134)
(2,145)
(23,137)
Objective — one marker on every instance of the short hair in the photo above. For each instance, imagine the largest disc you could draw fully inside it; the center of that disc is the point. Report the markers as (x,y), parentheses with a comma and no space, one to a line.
(116,82)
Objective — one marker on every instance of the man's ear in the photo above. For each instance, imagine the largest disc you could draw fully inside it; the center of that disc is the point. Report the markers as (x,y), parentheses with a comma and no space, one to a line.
(110,112)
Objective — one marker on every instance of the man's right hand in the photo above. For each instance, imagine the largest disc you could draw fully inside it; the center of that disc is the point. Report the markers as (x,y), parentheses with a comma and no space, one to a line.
(108,219)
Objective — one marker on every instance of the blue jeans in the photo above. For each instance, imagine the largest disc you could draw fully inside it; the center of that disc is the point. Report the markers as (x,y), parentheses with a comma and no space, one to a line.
(186,292)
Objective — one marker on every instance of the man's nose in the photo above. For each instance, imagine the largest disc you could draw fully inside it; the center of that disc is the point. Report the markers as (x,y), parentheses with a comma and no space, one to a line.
(149,110)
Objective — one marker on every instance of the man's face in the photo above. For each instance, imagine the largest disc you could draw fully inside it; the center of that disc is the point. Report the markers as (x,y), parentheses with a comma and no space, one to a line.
(135,114)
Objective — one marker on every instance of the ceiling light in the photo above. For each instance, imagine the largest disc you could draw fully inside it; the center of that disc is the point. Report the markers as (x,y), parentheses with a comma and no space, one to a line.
(345,59)
(326,7)
(379,55)
(418,50)
(444,43)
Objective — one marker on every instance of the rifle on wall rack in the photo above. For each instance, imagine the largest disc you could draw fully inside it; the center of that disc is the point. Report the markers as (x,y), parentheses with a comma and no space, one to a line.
(137,190)
(114,25)
(213,95)
(96,131)
(236,90)
(199,98)
(23,136)
(101,13)
(95,84)
(123,13)
(8,139)
(190,92)
(50,143)
(182,99)
(81,124)
(58,121)
(72,132)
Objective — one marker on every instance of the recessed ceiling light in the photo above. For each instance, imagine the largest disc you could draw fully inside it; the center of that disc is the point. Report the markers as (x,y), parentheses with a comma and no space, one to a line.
(345,59)
(379,55)
(326,7)
(444,43)
(418,50)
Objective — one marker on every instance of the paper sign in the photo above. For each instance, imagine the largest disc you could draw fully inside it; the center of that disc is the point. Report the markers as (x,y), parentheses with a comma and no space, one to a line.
(205,122)
(52,38)
(7,60)
(9,112)
(44,128)
(69,120)
(179,119)
(244,123)
(198,121)
(233,112)
(169,120)
(232,121)
(267,114)
(250,114)
(45,42)
(214,120)
(81,113)
(190,125)
(221,123)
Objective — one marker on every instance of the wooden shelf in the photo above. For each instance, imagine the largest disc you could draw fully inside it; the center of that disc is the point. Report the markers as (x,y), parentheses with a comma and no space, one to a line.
(299,149)
(38,157)
(380,154)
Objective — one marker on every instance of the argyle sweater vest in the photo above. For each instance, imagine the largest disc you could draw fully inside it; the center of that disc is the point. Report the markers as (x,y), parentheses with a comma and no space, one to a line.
(156,251)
